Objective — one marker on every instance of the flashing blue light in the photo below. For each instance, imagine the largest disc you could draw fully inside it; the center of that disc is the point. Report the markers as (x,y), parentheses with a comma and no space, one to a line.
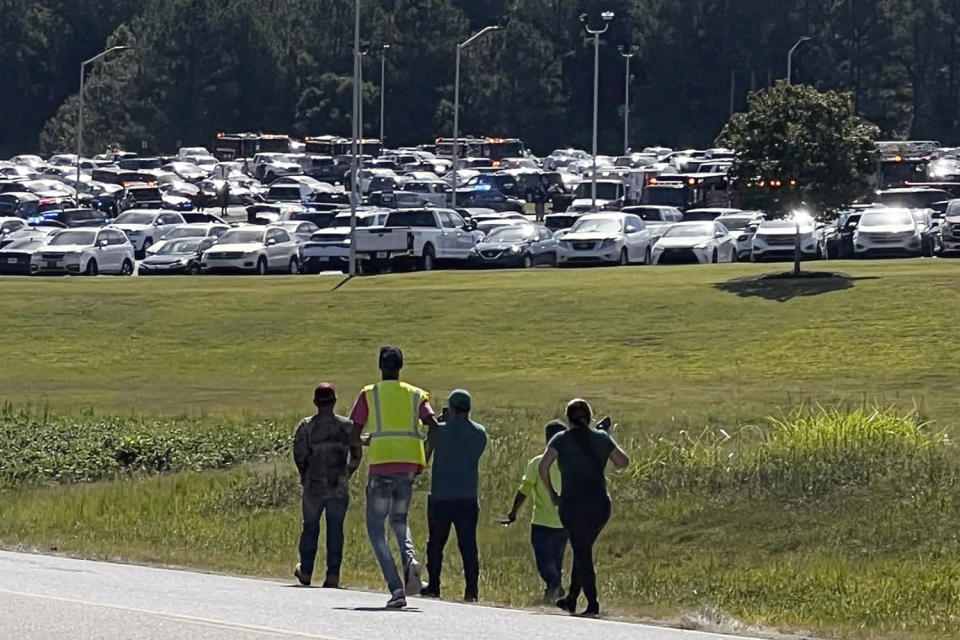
(483,187)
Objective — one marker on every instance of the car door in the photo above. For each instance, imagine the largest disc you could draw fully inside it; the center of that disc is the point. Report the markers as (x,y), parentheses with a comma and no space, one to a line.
(119,246)
(274,249)
(105,253)
(726,248)
(637,237)
(447,242)
(464,240)
(546,247)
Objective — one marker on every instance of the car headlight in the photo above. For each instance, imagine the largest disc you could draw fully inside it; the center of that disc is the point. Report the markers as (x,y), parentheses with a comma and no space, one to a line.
(702,246)
(608,243)
(516,248)
(134,233)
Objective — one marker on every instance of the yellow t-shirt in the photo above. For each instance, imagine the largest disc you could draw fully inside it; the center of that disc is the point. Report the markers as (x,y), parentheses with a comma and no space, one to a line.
(544,512)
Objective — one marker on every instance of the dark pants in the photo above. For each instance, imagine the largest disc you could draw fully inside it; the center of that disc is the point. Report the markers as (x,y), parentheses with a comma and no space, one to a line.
(549,547)
(584,520)
(313,508)
(462,514)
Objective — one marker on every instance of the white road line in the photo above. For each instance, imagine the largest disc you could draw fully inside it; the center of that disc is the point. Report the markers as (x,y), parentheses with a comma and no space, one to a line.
(173,616)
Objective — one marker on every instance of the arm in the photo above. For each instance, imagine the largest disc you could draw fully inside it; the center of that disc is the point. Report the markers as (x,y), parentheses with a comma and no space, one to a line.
(548,459)
(356,451)
(300,451)
(619,458)
(432,427)
(518,501)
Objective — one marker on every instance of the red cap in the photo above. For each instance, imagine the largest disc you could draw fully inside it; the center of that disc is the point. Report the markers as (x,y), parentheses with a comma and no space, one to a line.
(325,392)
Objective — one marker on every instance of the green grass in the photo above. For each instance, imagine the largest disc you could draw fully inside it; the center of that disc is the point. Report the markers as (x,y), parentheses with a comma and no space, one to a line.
(840,521)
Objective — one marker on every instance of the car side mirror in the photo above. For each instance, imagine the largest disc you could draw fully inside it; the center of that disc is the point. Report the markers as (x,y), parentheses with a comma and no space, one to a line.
(103,243)
(271,242)
(631,229)
(719,234)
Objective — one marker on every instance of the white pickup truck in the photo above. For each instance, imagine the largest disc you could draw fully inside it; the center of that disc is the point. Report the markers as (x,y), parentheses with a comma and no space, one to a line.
(415,238)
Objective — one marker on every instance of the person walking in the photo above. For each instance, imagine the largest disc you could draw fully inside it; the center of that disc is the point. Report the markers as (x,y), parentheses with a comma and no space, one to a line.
(453,497)
(198,200)
(547,535)
(581,453)
(327,452)
(224,197)
(394,411)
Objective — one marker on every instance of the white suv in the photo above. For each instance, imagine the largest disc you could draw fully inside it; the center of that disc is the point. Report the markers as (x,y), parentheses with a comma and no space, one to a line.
(612,238)
(253,249)
(146,226)
(887,232)
(85,251)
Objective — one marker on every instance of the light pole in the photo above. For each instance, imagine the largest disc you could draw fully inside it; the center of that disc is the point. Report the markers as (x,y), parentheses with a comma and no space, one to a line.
(83,66)
(364,48)
(383,86)
(355,162)
(456,106)
(607,17)
(627,51)
(790,58)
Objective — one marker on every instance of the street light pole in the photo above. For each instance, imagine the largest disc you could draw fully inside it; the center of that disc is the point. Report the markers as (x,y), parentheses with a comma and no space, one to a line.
(790,58)
(355,162)
(383,86)
(607,16)
(363,52)
(80,112)
(456,107)
(627,51)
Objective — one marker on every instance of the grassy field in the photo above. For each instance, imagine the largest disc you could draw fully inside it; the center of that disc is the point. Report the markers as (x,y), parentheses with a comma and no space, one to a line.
(844,535)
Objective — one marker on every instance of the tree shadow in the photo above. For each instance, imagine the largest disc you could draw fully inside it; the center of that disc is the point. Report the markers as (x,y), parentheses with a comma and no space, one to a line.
(785,286)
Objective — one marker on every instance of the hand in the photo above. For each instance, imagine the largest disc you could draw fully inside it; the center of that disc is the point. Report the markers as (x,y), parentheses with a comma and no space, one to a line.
(555,498)
(365,440)
(509,520)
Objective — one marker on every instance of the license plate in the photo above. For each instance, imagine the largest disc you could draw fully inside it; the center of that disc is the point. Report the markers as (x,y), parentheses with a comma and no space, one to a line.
(51,265)
(12,261)
(382,255)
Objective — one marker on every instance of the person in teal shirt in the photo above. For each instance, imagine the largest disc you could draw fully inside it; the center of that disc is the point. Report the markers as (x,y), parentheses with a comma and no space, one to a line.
(453,500)
(547,535)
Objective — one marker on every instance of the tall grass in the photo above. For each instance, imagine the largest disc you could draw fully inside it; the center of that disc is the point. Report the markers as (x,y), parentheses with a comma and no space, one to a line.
(802,454)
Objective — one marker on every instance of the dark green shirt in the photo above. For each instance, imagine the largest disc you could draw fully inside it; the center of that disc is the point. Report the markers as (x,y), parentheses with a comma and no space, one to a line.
(582,463)
(455,476)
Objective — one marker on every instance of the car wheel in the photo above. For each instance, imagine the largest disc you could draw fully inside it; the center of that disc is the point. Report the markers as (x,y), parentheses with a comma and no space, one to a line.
(734,255)
(126,269)
(92,268)
(428,262)
(294,268)
(555,261)
(262,266)
(527,261)
(624,257)
(648,256)
(713,258)
(193,270)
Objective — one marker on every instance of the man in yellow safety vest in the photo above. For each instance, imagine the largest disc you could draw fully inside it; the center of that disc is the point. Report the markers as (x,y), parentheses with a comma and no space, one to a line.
(393,413)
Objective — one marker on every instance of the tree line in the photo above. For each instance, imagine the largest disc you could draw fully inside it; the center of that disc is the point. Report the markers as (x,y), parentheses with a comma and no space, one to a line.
(201,66)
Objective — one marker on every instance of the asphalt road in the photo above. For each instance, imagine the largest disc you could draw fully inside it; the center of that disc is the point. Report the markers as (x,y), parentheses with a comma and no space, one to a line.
(46,598)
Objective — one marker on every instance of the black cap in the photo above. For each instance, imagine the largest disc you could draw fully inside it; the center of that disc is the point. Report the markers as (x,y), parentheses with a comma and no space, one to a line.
(391,358)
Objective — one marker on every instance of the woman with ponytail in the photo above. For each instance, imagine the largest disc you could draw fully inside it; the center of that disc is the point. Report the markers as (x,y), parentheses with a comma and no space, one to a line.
(581,453)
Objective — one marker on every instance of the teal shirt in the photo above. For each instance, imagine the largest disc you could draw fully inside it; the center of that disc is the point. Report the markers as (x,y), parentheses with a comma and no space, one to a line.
(582,463)
(455,475)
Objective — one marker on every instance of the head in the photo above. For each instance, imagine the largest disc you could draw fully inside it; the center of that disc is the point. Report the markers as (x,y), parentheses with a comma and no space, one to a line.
(324,397)
(460,403)
(553,428)
(579,413)
(391,362)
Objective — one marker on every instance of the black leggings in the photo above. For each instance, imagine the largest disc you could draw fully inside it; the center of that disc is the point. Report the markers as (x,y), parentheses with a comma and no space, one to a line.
(584,520)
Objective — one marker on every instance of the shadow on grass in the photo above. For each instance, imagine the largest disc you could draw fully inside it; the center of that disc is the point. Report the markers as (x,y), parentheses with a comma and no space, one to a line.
(784,286)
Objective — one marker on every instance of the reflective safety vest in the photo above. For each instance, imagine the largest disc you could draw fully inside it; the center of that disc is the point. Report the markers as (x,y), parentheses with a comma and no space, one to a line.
(395,427)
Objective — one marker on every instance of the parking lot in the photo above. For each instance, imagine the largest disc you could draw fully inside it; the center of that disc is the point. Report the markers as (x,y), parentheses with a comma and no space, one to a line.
(257,204)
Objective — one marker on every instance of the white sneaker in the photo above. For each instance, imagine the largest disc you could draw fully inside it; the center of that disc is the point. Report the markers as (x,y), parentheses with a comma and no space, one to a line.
(397,600)
(413,577)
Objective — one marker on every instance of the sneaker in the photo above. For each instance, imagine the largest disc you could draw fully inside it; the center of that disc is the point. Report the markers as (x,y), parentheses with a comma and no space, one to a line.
(397,601)
(430,592)
(592,611)
(567,605)
(413,577)
(553,594)
(304,579)
(470,596)
(332,581)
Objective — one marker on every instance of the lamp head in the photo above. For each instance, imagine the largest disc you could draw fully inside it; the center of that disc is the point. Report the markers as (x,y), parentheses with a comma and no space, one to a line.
(607,16)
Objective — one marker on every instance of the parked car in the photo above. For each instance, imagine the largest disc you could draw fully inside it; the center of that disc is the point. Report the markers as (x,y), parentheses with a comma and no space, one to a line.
(950,228)
(179,256)
(9,225)
(85,251)
(329,248)
(657,218)
(415,238)
(267,167)
(742,227)
(146,226)
(695,243)
(188,230)
(435,192)
(839,239)
(142,196)
(488,199)
(523,245)
(19,204)
(71,218)
(705,214)
(299,230)
(887,232)
(253,249)
(16,255)
(611,238)
(775,240)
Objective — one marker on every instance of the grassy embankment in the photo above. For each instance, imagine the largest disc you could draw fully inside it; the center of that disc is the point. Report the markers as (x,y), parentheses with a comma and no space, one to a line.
(834,525)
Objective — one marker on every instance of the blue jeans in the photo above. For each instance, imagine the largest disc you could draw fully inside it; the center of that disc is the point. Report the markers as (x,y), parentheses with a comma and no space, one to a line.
(549,547)
(389,496)
(313,508)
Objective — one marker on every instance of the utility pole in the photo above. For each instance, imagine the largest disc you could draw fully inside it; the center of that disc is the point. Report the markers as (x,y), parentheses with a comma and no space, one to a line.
(83,66)
(627,51)
(607,17)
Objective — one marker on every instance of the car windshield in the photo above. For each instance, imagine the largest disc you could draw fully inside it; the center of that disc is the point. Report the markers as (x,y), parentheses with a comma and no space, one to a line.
(913,199)
(734,224)
(596,225)
(241,236)
(805,226)
(651,214)
(511,234)
(74,237)
(134,218)
(885,218)
(186,232)
(605,190)
(689,231)
(145,194)
(179,247)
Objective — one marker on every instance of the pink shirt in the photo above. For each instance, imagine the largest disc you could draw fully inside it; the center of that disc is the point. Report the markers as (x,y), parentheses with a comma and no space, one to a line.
(361,414)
